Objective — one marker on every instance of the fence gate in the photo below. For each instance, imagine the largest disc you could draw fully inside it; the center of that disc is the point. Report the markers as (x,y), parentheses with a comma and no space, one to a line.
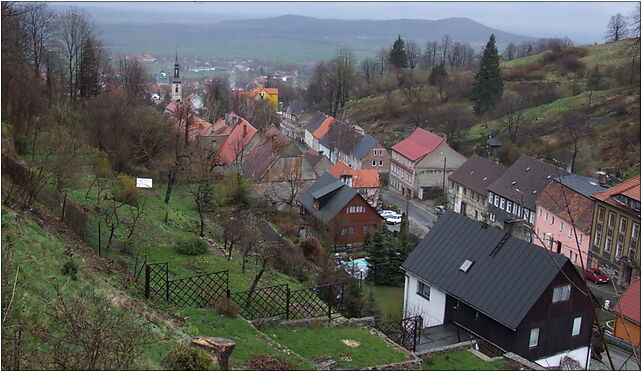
(405,332)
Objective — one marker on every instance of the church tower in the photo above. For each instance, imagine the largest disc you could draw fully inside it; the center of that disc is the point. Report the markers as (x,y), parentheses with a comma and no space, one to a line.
(177,89)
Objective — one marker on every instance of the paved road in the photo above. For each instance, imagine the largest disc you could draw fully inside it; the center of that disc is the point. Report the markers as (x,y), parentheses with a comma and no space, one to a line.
(622,361)
(421,220)
(605,292)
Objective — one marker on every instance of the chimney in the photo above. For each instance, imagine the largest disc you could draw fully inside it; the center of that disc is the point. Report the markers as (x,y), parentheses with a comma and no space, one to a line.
(227,119)
(601,177)
(244,130)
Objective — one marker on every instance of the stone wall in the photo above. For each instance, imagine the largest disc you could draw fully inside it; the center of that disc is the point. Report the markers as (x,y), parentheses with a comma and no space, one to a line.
(449,348)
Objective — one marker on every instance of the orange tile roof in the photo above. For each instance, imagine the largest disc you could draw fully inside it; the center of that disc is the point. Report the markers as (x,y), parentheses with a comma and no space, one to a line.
(361,179)
(324,127)
(629,303)
(272,90)
(629,188)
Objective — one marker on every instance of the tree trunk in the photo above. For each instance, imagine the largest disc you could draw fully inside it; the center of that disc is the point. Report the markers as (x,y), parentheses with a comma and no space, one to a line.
(171,179)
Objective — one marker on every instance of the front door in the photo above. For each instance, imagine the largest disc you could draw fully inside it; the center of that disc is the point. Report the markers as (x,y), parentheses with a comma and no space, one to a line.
(462,210)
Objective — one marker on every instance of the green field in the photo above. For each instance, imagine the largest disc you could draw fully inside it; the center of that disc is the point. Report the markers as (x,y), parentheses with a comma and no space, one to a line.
(390,300)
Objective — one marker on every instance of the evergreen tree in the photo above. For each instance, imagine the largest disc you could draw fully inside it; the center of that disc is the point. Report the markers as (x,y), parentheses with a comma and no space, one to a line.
(398,56)
(488,86)
(88,76)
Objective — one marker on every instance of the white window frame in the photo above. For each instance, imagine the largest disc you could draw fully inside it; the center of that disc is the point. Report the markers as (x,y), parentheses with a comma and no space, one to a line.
(492,217)
(533,340)
(608,243)
(561,293)
(561,226)
(502,204)
(577,326)
(570,232)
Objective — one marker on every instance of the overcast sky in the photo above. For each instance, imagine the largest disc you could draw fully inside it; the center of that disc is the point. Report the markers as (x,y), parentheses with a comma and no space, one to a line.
(584,22)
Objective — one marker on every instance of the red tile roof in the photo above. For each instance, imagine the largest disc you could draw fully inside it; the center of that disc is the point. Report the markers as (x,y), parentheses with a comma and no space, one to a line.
(629,303)
(580,206)
(419,144)
(629,188)
(272,90)
(263,155)
(324,127)
(239,136)
(361,179)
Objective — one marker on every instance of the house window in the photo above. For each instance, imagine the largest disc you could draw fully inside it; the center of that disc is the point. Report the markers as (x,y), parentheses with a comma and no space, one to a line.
(502,204)
(490,198)
(492,217)
(423,290)
(515,208)
(600,214)
(497,201)
(611,221)
(623,225)
(374,163)
(635,231)
(598,239)
(552,220)
(366,228)
(381,163)
(534,339)
(546,217)
(562,293)
(581,238)
(607,245)
(509,206)
(531,219)
(618,250)
(561,226)
(570,232)
(356,209)
(351,230)
(577,325)
(344,230)
(540,212)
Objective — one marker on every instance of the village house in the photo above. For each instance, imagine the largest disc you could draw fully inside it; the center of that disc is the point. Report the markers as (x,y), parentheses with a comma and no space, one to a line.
(319,162)
(421,161)
(512,197)
(468,186)
(505,290)
(556,229)
(615,233)
(627,323)
(365,181)
(277,168)
(290,120)
(347,143)
(270,95)
(340,209)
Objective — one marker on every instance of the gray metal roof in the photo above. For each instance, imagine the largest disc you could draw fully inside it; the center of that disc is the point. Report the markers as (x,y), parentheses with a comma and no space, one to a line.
(477,173)
(525,180)
(581,184)
(504,286)
(365,145)
(297,106)
(315,122)
(333,195)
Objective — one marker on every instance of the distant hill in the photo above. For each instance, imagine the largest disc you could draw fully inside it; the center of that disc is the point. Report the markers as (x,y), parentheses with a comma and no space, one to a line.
(288,38)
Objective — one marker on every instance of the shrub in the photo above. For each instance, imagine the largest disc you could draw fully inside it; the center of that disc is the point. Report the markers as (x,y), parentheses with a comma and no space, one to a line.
(269,363)
(70,268)
(226,307)
(429,360)
(102,165)
(313,250)
(127,191)
(190,246)
(187,358)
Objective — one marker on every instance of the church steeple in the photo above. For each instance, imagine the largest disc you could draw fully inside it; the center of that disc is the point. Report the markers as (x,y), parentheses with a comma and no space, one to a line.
(177,89)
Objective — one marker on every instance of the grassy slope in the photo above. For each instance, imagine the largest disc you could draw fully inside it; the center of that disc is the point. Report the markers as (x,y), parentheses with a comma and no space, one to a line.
(612,111)
(313,342)
(462,361)
(390,300)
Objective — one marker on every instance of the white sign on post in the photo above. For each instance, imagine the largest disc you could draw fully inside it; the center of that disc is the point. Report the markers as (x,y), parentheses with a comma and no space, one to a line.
(144,183)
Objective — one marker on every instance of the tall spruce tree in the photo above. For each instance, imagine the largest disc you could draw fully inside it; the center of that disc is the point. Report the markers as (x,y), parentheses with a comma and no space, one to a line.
(398,56)
(488,86)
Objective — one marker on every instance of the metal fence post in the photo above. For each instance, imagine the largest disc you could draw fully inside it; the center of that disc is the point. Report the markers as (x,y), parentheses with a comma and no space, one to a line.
(146,281)
(330,305)
(287,302)
(99,238)
(64,203)
(167,282)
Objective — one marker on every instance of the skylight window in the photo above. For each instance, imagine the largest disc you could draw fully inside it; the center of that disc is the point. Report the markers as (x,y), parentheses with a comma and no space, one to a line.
(485,178)
(466,266)
(534,192)
(528,168)
(513,183)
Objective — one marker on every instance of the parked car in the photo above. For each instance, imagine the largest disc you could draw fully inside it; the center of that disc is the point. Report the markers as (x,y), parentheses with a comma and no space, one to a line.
(387,213)
(596,276)
(393,219)
(440,209)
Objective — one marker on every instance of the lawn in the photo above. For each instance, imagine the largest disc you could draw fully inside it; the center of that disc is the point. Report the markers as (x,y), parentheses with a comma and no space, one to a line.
(461,361)
(313,342)
(390,300)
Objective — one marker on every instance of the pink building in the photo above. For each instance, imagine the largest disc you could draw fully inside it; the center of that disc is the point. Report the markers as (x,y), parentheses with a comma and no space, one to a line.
(564,217)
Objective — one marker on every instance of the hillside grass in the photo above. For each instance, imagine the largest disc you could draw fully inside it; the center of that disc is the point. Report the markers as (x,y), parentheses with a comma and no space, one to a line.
(461,361)
(313,342)
(390,301)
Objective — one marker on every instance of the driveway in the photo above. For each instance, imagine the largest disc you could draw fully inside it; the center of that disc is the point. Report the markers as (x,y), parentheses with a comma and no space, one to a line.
(421,220)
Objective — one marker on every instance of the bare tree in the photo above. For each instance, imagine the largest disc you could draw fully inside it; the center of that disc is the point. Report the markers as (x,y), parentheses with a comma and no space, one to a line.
(575,127)
(430,54)
(74,29)
(39,24)
(382,59)
(413,52)
(216,98)
(369,69)
(617,28)
(132,78)
(340,80)
(510,52)
(453,119)
(444,47)
(291,183)
(512,108)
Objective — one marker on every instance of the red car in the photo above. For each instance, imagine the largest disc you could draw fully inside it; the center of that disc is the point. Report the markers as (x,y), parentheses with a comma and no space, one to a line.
(596,276)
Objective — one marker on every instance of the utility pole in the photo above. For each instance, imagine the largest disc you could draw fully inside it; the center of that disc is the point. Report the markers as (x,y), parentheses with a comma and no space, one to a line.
(443,184)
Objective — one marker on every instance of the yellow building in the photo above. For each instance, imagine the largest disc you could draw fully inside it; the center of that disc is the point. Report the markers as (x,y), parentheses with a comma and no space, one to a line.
(269,94)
